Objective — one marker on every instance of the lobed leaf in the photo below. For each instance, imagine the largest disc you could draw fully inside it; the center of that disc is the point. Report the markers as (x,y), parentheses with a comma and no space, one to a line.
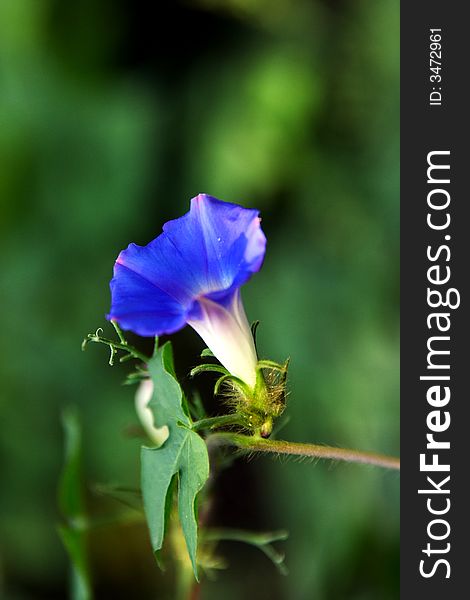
(182,460)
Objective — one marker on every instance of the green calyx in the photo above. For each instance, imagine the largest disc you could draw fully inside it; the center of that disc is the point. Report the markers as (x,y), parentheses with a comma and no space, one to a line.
(268,399)
(256,408)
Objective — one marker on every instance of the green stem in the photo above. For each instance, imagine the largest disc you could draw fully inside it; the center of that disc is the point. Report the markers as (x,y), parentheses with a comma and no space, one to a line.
(221,421)
(256,444)
(118,330)
(118,346)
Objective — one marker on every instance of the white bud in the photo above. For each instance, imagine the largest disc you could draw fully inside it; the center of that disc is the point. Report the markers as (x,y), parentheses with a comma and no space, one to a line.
(144,394)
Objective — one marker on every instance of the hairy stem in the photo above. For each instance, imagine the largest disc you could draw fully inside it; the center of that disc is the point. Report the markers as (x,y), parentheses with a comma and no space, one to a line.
(256,444)
(212,422)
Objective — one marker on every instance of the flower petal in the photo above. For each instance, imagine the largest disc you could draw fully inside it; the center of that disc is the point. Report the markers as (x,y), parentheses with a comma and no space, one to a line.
(139,305)
(209,252)
(223,243)
(227,333)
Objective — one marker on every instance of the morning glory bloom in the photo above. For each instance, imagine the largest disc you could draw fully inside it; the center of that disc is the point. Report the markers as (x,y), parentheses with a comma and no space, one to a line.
(191,274)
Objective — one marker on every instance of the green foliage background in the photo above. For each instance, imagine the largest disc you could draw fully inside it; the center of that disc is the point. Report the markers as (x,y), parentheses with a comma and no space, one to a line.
(111,119)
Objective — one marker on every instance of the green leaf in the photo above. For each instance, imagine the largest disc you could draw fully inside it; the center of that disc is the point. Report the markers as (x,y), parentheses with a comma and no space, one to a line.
(254,329)
(207,352)
(208,367)
(262,541)
(79,578)
(270,364)
(167,399)
(196,407)
(236,380)
(70,487)
(183,457)
(72,506)
(129,497)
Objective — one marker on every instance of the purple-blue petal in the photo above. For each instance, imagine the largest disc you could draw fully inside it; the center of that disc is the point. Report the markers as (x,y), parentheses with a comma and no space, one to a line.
(210,251)
(140,306)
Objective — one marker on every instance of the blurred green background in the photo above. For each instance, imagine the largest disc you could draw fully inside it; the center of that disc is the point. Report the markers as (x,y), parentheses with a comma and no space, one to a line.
(112,118)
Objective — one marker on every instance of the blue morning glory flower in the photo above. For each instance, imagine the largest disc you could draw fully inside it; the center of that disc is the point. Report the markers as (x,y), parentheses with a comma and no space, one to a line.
(192,274)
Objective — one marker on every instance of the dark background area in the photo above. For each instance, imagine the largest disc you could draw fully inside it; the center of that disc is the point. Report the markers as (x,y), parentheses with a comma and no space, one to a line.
(112,117)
